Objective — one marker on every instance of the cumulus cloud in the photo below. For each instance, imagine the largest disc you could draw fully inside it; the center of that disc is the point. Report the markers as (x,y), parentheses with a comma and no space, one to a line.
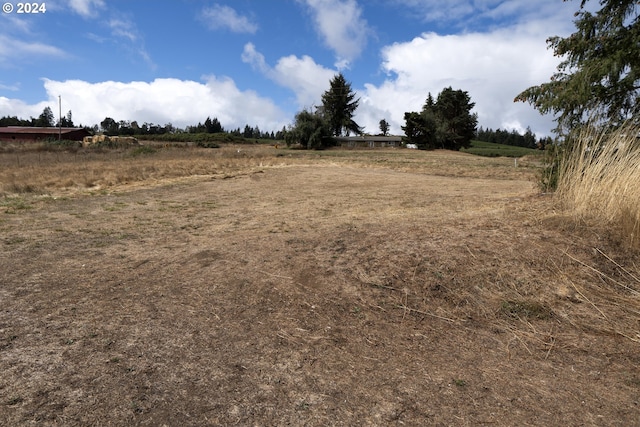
(307,79)
(251,56)
(493,67)
(494,62)
(161,101)
(86,8)
(220,17)
(341,26)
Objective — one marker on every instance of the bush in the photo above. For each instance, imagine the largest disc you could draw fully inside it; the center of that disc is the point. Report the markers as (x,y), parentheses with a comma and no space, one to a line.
(207,144)
(548,177)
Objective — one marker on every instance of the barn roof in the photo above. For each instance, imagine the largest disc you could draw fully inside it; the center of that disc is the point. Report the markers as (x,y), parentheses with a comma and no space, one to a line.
(29,130)
(375,138)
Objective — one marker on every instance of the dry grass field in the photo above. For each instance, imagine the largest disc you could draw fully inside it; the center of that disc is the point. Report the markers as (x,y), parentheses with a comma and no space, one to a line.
(259,286)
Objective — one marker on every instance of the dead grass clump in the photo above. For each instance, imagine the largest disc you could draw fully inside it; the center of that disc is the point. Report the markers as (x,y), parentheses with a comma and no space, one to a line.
(13,186)
(599,177)
(609,293)
(525,309)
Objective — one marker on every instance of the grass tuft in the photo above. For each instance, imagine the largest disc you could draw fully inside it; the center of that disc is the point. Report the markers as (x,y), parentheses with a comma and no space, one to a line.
(599,177)
(525,309)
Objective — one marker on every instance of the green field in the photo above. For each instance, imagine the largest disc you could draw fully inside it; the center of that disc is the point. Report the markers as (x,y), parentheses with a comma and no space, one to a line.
(489,149)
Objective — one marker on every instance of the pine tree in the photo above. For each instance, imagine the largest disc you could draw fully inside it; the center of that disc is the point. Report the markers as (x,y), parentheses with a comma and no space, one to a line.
(45,119)
(457,126)
(446,122)
(338,107)
(600,75)
(384,127)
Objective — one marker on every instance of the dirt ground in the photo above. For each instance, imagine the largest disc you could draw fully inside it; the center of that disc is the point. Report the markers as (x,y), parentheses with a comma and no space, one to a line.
(314,293)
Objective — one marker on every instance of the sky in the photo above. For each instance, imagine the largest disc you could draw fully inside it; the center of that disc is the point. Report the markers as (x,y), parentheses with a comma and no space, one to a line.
(259,62)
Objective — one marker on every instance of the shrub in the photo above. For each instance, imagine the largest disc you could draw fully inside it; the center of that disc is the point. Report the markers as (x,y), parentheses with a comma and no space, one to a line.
(548,176)
(207,144)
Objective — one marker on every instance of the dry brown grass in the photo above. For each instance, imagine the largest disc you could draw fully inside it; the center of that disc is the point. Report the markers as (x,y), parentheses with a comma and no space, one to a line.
(30,169)
(388,287)
(599,179)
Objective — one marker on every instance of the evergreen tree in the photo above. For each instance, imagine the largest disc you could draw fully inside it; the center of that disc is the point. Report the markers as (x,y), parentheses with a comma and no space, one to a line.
(110,126)
(529,139)
(384,127)
(457,124)
(446,122)
(212,125)
(432,123)
(416,131)
(338,107)
(600,75)
(45,119)
(13,121)
(67,121)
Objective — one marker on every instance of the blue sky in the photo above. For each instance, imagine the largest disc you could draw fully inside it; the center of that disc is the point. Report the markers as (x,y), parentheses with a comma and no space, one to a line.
(258,62)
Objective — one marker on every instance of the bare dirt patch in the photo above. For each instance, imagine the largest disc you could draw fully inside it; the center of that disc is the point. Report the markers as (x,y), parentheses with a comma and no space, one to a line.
(327,288)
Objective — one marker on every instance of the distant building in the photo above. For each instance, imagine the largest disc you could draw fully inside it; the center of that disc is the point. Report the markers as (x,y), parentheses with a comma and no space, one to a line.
(25,133)
(369,141)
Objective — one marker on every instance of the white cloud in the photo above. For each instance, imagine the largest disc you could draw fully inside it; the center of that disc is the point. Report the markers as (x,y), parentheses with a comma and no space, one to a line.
(14,87)
(464,13)
(20,43)
(251,56)
(180,102)
(14,23)
(304,77)
(123,28)
(11,49)
(307,79)
(86,8)
(219,17)
(126,33)
(492,67)
(342,28)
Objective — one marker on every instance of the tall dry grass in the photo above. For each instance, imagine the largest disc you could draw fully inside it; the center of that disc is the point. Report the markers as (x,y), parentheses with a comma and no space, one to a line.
(599,179)
(38,171)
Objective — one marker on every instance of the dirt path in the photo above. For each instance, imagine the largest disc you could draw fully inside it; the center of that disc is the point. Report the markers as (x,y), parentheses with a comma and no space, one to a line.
(305,295)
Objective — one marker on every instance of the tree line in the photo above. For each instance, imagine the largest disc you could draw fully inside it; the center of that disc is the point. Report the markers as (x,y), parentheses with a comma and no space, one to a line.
(45,119)
(515,138)
(112,127)
(598,81)
(446,122)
